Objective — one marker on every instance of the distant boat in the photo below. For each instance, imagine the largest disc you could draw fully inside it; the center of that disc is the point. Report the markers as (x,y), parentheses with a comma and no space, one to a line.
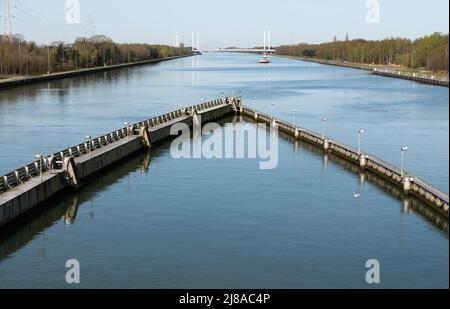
(264,59)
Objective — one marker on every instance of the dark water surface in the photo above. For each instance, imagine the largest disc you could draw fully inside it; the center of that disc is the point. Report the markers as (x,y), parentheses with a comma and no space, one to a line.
(157,222)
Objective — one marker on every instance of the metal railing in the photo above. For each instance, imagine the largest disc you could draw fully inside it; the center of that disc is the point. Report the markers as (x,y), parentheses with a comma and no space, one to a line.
(419,184)
(54,161)
(412,75)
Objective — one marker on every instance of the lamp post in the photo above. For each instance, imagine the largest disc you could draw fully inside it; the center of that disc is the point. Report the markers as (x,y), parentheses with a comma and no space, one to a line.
(402,151)
(39,156)
(88,138)
(26,59)
(271,108)
(254,103)
(48,59)
(324,119)
(294,112)
(360,131)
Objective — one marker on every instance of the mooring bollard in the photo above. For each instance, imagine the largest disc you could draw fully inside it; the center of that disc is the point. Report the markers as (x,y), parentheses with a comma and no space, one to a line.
(407,183)
(145,137)
(274,122)
(362,160)
(69,167)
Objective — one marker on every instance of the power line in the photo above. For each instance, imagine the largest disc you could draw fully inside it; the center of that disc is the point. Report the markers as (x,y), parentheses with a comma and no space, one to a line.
(90,26)
(36,24)
(37,29)
(41,22)
(7,26)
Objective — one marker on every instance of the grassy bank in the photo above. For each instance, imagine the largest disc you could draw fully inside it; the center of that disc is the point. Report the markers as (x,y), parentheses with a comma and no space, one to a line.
(23,80)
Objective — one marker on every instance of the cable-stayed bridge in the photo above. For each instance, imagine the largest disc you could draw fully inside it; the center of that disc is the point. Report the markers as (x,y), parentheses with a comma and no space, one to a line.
(240,50)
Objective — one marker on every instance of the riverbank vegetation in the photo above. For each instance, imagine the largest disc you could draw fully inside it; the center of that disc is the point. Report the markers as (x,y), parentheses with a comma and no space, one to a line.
(19,57)
(426,53)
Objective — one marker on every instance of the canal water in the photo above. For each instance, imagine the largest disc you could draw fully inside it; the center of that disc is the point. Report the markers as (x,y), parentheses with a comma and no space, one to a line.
(158,222)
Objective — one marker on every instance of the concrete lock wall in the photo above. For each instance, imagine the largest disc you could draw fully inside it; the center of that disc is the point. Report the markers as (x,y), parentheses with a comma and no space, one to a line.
(31,196)
(97,162)
(409,184)
(23,191)
(162,132)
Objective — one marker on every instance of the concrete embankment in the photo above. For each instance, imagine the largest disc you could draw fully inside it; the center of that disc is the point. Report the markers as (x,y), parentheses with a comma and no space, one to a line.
(34,183)
(23,80)
(409,184)
(424,78)
(416,77)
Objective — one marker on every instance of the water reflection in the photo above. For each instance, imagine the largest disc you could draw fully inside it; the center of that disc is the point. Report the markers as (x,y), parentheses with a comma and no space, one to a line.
(65,206)
(63,87)
(285,226)
(65,209)
(15,236)
(408,203)
(195,74)
(42,247)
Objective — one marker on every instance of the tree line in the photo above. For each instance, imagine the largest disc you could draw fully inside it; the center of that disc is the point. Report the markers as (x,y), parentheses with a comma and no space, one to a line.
(428,52)
(19,57)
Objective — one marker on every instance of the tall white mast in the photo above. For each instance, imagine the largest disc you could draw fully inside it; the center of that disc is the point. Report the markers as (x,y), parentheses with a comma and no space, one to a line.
(264,47)
(192,42)
(198,42)
(268,41)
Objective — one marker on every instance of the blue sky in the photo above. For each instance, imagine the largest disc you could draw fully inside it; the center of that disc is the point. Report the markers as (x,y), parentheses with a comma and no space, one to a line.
(228,22)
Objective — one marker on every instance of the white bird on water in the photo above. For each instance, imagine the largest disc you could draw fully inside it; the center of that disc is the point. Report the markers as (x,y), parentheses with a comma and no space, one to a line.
(356,194)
